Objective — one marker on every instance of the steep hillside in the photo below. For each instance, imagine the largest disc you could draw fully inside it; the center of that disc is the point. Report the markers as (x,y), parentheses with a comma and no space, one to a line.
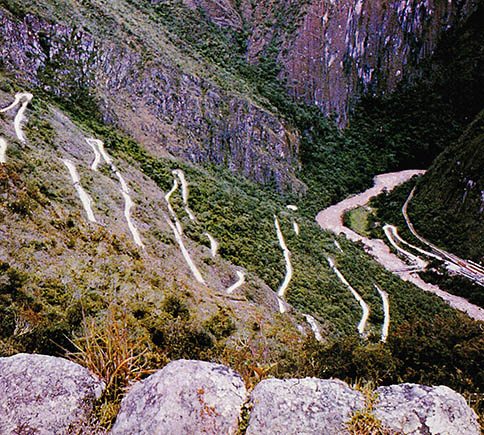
(448,207)
(148,276)
(159,197)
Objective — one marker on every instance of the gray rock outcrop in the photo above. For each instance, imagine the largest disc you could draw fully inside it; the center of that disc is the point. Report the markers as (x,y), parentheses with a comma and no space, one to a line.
(185,397)
(45,395)
(302,406)
(418,409)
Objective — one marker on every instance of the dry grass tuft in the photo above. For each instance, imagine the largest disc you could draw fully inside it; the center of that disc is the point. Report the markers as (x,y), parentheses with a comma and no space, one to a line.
(111,353)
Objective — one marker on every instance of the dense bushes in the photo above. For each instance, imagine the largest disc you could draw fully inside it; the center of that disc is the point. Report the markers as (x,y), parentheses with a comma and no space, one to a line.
(430,351)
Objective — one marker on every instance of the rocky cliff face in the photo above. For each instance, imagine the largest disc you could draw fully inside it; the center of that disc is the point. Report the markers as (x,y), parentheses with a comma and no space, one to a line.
(151,97)
(333,51)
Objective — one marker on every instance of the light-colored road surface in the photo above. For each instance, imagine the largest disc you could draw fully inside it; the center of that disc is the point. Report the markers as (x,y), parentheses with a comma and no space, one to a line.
(459,265)
(295,225)
(287,258)
(363,304)
(332,219)
(397,237)
(84,197)
(240,282)
(94,144)
(386,314)
(98,148)
(27,97)
(186,255)
(184,185)
(128,204)
(314,326)
(170,208)
(338,246)
(213,245)
(392,233)
(3,150)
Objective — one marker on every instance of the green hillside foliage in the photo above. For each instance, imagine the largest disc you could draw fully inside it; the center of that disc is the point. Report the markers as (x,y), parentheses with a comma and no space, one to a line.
(448,207)
(157,320)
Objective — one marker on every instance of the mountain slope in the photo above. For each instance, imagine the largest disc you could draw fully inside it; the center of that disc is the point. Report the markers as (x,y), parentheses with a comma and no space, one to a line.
(173,99)
(449,203)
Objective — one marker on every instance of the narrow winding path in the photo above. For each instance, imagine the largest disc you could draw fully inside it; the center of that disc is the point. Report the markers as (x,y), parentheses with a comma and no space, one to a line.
(240,282)
(20,114)
(3,150)
(83,196)
(93,143)
(416,248)
(295,225)
(186,255)
(459,265)
(391,232)
(363,304)
(98,148)
(213,245)
(184,185)
(386,314)
(314,326)
(289,271)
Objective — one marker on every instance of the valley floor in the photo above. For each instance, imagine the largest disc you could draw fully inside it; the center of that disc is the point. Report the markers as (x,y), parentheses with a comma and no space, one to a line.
(332,219)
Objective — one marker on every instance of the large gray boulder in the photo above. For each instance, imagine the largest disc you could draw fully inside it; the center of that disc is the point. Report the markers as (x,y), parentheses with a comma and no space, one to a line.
(418,409)
(185,397)
(45,395)
(302,406)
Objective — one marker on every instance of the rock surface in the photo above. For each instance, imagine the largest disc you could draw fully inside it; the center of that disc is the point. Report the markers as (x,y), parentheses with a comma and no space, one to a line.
(302,406)
(45,395)
(332,52)
(418,409)
(184,397)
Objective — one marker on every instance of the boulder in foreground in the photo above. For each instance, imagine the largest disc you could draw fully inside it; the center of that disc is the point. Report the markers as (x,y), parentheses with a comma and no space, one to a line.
(45,395)
(302,406)
(418,409)
(185,397)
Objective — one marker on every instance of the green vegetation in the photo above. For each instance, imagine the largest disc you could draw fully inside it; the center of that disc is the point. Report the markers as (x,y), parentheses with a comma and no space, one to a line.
(388,209)
(357,220)
(84,290)
(448,204)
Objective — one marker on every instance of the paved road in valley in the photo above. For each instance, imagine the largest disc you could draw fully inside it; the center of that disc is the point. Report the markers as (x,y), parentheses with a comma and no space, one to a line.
(331,219)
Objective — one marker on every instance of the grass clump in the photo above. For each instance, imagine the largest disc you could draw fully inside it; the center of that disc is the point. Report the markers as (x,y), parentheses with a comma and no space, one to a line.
(112,353)
(357,220)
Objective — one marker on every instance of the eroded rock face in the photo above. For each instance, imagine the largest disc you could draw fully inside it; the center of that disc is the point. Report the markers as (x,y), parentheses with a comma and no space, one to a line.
(156,103)
(418,409)
(184,397)
(331,52)
(45,395)
(309,406)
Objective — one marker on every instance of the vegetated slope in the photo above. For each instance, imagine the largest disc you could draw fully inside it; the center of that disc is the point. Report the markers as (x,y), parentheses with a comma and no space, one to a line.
(63,277)
(448,207)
